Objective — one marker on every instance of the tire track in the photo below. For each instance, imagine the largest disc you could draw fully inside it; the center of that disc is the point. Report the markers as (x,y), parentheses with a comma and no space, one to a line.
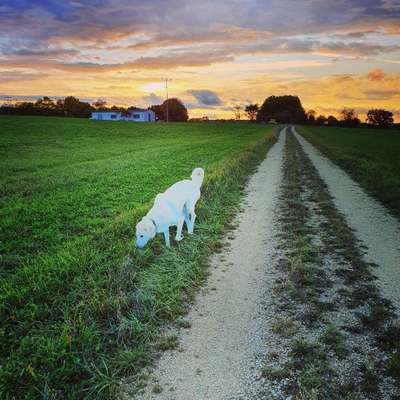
(377,229)
(334,335)
(216,357)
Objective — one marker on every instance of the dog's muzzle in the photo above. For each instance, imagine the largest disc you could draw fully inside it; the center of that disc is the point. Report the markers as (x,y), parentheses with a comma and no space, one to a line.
(140,243)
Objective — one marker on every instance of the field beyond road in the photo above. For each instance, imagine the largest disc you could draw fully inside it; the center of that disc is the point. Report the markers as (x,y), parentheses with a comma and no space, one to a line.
(371,156)
(78,304)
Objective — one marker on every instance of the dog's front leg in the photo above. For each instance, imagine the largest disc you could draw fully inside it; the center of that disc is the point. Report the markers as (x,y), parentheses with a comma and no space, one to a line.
(166,237)
(179,236)
(187,219)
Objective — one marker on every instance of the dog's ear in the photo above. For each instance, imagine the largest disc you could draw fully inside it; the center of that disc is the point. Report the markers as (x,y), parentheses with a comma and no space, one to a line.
(148,227)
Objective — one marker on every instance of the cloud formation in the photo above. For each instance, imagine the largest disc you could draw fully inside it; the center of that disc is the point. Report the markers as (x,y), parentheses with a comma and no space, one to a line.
(160,23)
(10,75)
(93,48)
(376,75)
(206,97)
(152,99)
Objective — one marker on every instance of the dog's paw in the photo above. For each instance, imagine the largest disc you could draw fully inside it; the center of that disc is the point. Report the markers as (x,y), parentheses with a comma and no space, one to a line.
(178,238)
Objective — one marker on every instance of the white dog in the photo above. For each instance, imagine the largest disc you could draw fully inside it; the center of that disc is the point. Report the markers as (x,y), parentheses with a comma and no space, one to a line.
(172,208)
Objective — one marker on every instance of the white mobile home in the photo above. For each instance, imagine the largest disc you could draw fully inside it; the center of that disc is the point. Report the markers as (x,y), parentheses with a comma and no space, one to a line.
(133,114)
(141,115)
(107,115)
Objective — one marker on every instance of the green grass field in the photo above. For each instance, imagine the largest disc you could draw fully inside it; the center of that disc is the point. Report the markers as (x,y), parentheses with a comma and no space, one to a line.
(371,156)
(79,306)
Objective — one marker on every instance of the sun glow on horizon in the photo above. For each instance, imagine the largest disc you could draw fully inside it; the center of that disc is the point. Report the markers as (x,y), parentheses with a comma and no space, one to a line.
(153,87)
(122,52)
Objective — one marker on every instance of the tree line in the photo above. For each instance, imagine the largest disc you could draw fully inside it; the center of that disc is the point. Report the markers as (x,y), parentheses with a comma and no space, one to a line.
(68,107)
(282,109)
(288,109)
(73,107)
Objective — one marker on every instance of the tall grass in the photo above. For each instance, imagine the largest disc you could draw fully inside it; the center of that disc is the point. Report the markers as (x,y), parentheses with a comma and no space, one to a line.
(85,309)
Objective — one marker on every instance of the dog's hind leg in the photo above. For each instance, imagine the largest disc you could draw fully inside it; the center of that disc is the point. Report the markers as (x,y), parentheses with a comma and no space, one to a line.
(179,236)
(166,237)
(191,217)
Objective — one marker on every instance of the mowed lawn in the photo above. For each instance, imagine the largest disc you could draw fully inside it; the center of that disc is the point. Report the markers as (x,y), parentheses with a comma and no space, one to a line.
(79,305)
(371,156)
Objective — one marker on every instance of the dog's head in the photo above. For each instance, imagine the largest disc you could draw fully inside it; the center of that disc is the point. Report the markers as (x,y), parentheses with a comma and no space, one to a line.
(145,230)
(198,176)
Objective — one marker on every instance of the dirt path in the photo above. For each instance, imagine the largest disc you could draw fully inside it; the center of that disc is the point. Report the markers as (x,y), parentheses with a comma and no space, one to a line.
(291,308)
(216,355)
(332,334)
(377,229)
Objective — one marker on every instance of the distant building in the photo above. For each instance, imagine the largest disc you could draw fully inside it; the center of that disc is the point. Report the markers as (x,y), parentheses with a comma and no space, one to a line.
(107,115)
(133,114)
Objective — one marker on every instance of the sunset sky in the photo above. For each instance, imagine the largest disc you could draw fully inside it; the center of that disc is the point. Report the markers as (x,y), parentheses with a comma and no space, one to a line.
(218,53)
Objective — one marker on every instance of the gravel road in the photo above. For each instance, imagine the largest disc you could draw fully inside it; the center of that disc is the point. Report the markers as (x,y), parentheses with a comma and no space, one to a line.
(220,355)
(216,355)
(377,229)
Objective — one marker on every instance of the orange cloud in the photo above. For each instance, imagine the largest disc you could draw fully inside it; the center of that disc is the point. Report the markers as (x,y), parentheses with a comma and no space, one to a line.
(376,75)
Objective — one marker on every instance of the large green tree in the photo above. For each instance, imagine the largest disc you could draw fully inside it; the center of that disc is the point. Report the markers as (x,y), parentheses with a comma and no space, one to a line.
(332,121)
(73,107)
(380,118)
(284,109)
(177,112)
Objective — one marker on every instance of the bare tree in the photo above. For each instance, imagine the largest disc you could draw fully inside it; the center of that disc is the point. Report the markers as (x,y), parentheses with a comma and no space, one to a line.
(311,116)
(100,104)
(349,118)
(348,114)
(251,111)
(237,110)
(45,102)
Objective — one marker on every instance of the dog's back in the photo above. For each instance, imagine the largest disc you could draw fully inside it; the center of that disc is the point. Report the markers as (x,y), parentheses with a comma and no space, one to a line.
(185,191)
(181,193)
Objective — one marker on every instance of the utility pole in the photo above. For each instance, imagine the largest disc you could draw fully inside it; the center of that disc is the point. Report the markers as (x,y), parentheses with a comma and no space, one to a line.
(166,88)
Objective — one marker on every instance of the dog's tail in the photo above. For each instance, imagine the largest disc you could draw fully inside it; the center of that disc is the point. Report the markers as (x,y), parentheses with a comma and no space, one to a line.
(198,176)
